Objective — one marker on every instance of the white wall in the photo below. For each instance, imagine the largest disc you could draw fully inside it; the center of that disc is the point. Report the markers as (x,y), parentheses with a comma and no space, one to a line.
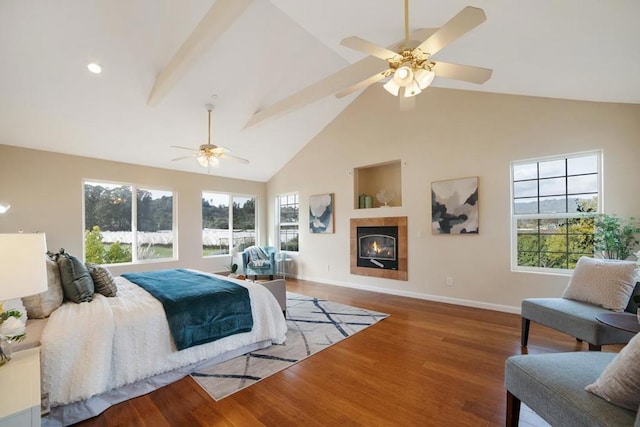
(453,134)
(45,192)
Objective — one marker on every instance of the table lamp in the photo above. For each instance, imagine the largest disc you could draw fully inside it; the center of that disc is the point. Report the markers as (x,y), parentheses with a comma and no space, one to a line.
(23,270)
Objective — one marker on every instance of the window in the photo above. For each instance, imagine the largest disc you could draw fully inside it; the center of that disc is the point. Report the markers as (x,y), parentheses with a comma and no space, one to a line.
(119,231)
(288,222)
(227,218)
(553,200)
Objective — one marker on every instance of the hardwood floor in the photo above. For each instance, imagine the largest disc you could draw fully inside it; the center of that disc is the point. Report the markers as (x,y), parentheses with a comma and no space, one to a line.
(428,364)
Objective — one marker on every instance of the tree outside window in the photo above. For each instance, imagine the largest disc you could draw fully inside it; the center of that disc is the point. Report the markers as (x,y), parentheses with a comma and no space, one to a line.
(228,221)
(119,231)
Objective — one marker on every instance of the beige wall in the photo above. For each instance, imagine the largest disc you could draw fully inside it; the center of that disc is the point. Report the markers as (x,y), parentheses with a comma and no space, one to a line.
(453,134)
(45,193)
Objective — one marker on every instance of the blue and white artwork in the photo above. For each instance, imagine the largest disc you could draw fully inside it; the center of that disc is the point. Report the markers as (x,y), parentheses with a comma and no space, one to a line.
(454,206)
(321,213)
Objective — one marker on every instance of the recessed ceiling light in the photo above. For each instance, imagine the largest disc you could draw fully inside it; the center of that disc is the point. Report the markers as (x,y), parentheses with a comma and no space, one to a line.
(94,68)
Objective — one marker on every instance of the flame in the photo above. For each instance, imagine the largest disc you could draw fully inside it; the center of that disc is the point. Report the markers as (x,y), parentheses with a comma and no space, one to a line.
(375,247)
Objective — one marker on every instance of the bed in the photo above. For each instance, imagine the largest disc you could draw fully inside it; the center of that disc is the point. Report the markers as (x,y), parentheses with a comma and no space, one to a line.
(97,354)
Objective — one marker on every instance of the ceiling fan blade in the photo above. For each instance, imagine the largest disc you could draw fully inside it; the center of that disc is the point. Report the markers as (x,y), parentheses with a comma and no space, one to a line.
(323,88)
(235,158)
(183,148)
(220,150)
(376,77)
(469,18)
(367,47)
(182,158)
(467,73)
(328,86)
(212,26)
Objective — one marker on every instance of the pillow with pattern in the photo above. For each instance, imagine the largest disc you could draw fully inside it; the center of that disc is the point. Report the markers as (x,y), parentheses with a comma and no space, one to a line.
(102,279)
(603,282)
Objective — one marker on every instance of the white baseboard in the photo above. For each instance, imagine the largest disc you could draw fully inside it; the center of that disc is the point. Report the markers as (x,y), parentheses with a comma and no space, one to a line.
(428,297)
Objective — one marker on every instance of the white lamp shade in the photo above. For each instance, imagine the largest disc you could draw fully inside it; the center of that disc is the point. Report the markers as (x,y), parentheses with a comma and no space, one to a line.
(392,87)
(424,77)
(403,76)
(412,89)
(23,270)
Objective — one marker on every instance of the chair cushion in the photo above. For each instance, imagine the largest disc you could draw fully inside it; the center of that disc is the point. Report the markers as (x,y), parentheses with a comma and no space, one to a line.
(607,283)
(575,318)
(552,385)
(619,383)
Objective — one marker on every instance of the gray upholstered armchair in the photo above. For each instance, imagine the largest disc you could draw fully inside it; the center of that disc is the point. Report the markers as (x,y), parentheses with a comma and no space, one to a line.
(259,260)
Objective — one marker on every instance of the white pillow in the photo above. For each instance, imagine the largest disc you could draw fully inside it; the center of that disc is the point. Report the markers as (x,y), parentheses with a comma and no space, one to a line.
(603,282)
(42,305)
(619,383)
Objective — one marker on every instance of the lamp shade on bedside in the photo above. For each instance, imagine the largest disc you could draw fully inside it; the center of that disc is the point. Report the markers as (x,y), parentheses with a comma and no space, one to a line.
(23,270)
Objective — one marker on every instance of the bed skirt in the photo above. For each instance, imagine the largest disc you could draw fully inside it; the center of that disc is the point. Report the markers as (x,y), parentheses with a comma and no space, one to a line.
(89,408)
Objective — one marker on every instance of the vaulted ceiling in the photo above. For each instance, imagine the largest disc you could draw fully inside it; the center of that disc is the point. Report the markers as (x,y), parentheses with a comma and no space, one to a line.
(574,49)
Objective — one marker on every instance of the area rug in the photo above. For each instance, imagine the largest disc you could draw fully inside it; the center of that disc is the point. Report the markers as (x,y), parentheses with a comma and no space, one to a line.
(313,325)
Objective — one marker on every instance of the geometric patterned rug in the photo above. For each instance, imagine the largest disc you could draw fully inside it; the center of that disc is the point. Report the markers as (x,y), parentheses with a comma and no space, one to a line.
(313,325)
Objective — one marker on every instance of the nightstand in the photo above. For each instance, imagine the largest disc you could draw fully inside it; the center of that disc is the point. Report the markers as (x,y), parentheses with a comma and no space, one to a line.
(20,385)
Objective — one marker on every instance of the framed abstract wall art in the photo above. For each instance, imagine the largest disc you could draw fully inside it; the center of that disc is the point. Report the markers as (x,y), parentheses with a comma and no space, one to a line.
(321,214)
(454,206)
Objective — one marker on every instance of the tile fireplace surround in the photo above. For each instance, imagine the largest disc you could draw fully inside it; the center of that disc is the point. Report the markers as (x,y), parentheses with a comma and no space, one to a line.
(401,253)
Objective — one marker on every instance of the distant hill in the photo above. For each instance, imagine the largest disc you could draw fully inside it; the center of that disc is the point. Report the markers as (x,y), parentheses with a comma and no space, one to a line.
(548,206)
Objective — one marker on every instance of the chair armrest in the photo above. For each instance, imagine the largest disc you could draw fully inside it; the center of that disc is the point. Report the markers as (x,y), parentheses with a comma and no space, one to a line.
(245,261)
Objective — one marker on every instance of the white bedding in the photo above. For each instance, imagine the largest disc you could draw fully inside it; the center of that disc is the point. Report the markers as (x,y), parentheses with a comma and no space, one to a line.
(90,348)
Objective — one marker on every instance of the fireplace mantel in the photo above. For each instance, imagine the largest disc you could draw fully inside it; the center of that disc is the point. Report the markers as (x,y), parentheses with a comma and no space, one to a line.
(402,250)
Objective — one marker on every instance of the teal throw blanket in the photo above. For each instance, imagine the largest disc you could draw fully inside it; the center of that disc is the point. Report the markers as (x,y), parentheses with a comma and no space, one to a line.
(199,308)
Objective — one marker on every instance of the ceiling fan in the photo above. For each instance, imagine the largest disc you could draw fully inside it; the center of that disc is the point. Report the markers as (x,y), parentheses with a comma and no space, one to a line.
(410,69)
(208,154)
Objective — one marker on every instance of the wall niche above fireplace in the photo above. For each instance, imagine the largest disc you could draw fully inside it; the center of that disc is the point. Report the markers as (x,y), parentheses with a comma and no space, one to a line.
(371,179)
(379,247)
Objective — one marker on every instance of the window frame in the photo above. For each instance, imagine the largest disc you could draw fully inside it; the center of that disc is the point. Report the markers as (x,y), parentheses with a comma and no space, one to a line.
(134,220)
(280,224)
(550,216)
(230,230)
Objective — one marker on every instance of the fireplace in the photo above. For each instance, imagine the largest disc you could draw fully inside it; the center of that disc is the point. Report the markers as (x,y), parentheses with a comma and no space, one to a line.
(379,247)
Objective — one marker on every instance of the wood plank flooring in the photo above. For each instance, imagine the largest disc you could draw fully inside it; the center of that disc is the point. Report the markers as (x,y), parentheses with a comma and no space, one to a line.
(428,364)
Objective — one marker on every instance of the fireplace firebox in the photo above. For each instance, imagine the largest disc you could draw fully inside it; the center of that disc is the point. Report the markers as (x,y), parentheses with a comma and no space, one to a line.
(379,247)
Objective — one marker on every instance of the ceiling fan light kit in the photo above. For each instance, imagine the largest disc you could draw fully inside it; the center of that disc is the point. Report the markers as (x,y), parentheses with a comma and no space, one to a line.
(410,65)
(392,87)
(207,160)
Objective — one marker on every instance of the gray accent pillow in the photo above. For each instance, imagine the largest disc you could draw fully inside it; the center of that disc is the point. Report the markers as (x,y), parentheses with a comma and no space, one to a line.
(41,305)
(102,280)
(603,282)
(76,280)
(619,383)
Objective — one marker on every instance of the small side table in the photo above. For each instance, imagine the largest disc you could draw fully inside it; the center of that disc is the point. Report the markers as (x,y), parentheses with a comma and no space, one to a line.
(20,385)
(625,321)
(282,266)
